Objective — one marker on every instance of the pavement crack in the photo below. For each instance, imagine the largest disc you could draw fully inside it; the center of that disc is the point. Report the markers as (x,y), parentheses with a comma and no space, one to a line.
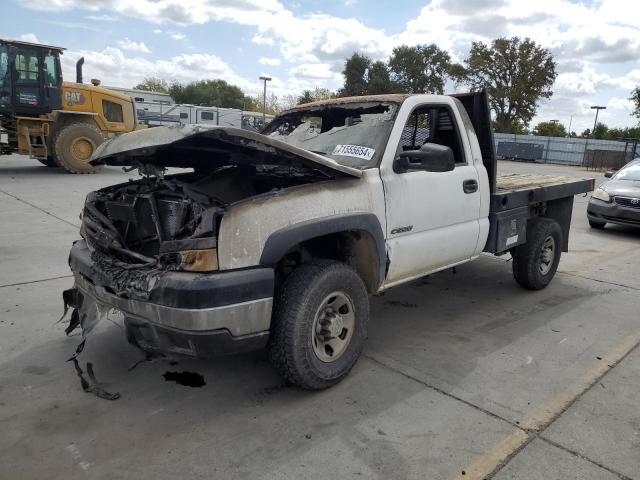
(583,457)
(443,392)
(599,281)
(38,208)
(35,281)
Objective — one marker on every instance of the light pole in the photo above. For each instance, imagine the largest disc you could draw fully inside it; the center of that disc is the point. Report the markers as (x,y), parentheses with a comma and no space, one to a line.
(265,79)
(595,122)
(570,122)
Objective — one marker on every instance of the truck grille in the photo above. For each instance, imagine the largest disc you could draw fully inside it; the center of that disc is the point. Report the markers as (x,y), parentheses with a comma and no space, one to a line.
(628,202)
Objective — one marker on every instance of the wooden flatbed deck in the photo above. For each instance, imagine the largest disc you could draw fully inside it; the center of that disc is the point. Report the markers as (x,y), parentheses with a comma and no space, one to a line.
(518,189)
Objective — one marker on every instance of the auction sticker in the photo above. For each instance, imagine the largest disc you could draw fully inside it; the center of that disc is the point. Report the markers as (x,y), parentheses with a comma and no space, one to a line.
(354,151)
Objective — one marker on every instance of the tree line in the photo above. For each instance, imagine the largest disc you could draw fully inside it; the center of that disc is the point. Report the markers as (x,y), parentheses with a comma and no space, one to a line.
(517,73)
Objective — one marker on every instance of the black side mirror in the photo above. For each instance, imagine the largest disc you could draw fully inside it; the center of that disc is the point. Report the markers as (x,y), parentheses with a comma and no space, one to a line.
(608,174)
(430,158)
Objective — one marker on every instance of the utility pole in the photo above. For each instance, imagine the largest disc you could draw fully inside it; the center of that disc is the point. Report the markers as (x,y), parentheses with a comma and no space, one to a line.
(265,79)
(595,122)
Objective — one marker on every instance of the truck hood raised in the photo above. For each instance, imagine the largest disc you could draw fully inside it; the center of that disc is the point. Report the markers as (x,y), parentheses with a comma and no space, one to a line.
(199,147)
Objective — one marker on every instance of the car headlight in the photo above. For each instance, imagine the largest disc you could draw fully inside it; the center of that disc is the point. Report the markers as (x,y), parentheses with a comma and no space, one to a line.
(601,194)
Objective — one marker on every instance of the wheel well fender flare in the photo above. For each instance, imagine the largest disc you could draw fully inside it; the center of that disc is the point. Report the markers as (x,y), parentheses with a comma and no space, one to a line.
(281,241)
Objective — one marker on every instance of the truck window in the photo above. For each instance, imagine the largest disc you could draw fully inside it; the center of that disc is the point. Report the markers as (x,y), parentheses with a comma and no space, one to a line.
(432,124)
(112,111)
(27,66)
(50,70)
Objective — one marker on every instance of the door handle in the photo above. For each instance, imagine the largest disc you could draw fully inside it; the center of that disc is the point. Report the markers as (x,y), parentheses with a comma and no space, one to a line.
(470,186)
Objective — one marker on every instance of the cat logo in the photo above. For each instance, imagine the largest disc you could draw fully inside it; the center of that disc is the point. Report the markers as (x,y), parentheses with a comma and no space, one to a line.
(73,98)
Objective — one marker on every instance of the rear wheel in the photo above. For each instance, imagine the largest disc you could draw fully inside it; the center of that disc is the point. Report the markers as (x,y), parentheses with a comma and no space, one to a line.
(536,261)
(75,144)
(319,324)
(596,224)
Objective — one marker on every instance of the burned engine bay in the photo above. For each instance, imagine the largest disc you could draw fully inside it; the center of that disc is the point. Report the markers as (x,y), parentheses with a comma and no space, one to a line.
(141,226)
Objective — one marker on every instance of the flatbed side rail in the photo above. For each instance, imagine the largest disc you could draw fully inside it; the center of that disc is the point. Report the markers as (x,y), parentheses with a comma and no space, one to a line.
(506,199)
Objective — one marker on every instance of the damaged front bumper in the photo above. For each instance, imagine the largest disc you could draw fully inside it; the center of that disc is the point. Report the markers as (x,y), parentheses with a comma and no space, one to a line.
(195,314)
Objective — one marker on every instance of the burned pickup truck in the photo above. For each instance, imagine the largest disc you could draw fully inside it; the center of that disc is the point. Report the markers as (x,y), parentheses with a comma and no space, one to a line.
(276,239)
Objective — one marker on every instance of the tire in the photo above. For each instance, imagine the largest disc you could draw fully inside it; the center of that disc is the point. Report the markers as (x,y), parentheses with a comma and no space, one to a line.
(49,162)
(596,225)
(297,350)
(75,144)
(534,264)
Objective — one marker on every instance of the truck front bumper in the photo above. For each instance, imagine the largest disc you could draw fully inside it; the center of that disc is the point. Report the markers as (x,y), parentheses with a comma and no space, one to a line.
(194,314)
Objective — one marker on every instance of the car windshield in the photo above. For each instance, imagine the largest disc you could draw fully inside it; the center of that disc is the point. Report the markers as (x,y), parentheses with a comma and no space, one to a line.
(632,172)
(352,135)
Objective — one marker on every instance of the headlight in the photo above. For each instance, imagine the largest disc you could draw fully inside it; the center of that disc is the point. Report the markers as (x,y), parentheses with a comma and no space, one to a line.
(601,194)
(199,260)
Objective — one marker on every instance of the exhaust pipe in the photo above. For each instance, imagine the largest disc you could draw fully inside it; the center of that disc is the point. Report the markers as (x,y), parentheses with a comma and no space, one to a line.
(79,64)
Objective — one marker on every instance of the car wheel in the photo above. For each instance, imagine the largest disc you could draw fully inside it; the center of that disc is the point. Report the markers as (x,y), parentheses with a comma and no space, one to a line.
(319,324)
(536,261)
(596,224)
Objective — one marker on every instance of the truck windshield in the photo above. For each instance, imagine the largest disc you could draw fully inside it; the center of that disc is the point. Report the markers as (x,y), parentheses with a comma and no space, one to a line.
(352,135)
(5,79)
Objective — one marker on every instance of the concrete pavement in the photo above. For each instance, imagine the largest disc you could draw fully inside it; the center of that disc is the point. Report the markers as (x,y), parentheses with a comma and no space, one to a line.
(464,375)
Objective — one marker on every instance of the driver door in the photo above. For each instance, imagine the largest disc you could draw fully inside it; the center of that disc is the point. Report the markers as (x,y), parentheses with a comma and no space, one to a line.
(432,217)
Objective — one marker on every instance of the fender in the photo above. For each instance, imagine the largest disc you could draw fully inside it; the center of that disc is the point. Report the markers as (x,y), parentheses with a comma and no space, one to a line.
(281,241)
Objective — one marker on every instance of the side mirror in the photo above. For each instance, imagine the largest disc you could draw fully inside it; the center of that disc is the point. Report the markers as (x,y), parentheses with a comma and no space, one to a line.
(608,174)
(430,158)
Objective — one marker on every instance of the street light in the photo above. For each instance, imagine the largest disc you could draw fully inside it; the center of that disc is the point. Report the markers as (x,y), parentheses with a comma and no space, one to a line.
(595,122)
(265,79)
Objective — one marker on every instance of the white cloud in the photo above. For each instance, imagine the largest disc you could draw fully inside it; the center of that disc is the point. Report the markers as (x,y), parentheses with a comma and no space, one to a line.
(29,37)
(102,18)
(273,62)
(313,71)
(127,44)
(114,68)
(177,35)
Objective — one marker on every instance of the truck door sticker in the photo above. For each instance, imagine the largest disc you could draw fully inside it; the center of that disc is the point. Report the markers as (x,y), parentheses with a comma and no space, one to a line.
(354,151)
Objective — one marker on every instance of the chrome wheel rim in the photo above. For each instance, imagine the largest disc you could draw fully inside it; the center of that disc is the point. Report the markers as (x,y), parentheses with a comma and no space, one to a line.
(333,327)
(547,254)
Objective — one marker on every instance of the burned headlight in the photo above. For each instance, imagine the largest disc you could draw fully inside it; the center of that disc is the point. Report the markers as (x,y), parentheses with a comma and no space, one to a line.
(191,255)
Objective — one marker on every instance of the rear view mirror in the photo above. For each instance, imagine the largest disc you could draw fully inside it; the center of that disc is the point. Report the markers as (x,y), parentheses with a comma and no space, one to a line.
(608,174)
(430,158)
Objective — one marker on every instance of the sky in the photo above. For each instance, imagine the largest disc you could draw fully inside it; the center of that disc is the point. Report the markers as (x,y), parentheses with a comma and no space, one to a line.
(303,44)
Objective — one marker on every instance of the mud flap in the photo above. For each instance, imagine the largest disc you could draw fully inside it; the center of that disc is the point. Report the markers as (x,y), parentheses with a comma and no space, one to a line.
(87,312)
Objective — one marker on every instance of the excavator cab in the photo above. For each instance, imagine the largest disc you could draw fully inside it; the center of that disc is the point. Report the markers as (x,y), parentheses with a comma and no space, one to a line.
(30,78)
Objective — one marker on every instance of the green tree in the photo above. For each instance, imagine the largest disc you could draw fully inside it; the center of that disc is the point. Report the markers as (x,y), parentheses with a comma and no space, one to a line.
(153,84)
(421,68)
(601,131)
(355,75)
(315,95)
(379,80)
(635,98)
(210,93)
(517,75)
(550,129)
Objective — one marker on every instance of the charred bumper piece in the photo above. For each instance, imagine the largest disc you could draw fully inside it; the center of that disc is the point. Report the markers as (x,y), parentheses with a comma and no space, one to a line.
(194,314)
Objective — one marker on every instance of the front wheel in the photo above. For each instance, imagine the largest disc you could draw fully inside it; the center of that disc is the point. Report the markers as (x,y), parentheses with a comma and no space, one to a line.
(536,261)
(75,144)
(319,324)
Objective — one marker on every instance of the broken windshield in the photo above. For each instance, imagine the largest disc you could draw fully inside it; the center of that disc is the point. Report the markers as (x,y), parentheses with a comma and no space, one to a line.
(352,135)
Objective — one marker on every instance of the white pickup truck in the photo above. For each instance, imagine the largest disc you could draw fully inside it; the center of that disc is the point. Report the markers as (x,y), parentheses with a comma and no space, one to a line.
(277,239)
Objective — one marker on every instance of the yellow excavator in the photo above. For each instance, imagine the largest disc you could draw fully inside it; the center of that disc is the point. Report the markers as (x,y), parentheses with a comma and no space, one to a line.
(58,123)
